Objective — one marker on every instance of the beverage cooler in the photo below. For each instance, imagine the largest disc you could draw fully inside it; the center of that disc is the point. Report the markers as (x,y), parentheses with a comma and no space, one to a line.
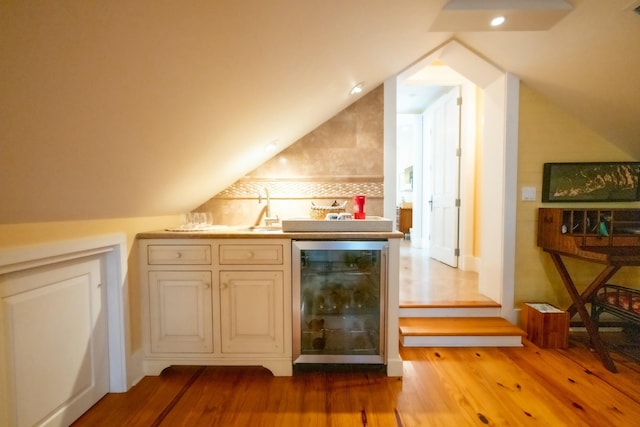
(339,290)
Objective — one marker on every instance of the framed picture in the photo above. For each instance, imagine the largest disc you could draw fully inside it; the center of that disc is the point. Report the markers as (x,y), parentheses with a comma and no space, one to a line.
(591,182)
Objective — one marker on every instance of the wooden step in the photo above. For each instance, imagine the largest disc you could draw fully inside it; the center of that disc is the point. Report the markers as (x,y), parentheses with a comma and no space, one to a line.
(450,309)
(459,332)
(449,304)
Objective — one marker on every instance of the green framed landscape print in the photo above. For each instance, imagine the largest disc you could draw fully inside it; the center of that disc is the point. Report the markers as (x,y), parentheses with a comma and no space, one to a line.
(591,182)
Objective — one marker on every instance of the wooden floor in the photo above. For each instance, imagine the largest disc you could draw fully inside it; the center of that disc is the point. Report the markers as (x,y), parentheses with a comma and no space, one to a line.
(525,386)
(522,386)
(426,281)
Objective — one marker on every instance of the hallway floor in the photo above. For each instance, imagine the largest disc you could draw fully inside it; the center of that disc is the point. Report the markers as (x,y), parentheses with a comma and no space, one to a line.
(424,280)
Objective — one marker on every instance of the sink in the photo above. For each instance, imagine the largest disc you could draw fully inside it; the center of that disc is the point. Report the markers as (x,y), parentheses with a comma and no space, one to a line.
(263,228)
(371,223)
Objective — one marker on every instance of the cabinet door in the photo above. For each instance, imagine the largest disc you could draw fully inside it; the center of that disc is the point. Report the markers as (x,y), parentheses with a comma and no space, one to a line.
(180,311)
(252,311)
(55,336)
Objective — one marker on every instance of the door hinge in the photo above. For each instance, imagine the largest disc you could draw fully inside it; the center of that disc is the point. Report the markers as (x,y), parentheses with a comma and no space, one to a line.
(458,152)
(459,101)
(457,203)
(456,252)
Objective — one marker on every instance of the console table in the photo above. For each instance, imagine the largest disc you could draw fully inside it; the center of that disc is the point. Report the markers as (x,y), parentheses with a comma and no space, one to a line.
(610,237)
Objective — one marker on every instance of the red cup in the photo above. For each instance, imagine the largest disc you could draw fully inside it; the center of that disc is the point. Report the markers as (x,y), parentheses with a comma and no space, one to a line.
(358,207)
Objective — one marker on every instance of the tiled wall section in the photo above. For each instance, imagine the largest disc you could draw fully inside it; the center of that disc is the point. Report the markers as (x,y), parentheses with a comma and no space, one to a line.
(341,158)
(295,189)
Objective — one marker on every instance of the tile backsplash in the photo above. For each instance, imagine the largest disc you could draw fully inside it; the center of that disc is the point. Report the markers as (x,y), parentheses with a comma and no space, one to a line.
(341,158)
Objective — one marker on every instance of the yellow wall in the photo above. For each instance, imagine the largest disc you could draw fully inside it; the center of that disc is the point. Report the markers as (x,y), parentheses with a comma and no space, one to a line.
(477,214)
(549,134)
(34,233)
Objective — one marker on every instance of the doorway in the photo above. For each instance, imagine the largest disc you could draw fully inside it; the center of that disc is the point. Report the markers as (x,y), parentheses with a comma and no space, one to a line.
(429,141)
(494,191)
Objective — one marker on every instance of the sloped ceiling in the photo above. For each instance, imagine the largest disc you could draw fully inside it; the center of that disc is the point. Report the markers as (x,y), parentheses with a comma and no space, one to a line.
(143,108)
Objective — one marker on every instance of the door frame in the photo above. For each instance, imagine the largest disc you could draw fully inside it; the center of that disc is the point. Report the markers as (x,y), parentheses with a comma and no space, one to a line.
(113,248)
(498,157)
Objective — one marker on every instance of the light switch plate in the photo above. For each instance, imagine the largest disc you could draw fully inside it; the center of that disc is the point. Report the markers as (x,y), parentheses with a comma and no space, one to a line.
(529,194)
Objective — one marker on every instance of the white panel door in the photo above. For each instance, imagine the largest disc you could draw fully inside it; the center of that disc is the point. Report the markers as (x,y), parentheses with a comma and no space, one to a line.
(252,311)
(180,311)
(445,178)
(56,331)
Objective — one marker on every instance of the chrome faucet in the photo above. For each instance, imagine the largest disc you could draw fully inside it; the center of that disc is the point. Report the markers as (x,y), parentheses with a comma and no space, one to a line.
(268,219)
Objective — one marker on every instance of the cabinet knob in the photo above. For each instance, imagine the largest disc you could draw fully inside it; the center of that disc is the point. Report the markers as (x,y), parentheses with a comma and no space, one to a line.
(178,255)
(249,254)
(207,285)
(223,285)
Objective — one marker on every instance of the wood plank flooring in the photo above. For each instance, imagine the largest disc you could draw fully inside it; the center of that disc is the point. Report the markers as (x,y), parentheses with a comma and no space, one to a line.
(508,386)
(522,386)
(424,281)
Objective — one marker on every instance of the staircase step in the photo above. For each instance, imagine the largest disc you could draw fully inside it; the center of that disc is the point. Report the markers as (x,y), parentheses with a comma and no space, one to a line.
(451,309)
(459,332)
(449,312)
(449,304)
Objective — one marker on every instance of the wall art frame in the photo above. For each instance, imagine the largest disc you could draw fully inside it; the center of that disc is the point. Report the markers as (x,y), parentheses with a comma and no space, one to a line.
(591,182)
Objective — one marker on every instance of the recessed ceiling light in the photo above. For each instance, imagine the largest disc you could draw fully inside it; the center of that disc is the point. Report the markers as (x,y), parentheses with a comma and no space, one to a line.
(357,88)
(271,146)
(497,21)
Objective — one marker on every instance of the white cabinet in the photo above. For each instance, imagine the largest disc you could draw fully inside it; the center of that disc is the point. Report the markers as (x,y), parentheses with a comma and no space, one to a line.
(216,302)
(251,307)
(180,312)
(53,342)
(252,301)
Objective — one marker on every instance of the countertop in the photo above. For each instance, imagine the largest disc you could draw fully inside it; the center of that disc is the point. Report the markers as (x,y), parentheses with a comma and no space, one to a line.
(241,232)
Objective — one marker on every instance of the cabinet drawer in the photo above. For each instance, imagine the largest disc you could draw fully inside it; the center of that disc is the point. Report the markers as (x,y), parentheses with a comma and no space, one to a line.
(250,254)
(626,241)
(179,254)
(596,241)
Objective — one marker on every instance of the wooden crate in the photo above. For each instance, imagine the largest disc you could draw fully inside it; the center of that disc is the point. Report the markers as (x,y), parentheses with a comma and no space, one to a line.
(546,326)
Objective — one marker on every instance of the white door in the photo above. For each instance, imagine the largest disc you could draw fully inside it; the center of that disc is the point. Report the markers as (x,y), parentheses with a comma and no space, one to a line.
(56,330)
(445,161)
(180,311)
(252,310)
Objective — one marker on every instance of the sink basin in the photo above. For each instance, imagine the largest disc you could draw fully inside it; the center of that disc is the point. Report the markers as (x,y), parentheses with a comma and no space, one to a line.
(371,223)
(263,228)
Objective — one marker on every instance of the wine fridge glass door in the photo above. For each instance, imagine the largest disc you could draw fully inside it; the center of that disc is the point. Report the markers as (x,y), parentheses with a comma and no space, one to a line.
(339,290)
